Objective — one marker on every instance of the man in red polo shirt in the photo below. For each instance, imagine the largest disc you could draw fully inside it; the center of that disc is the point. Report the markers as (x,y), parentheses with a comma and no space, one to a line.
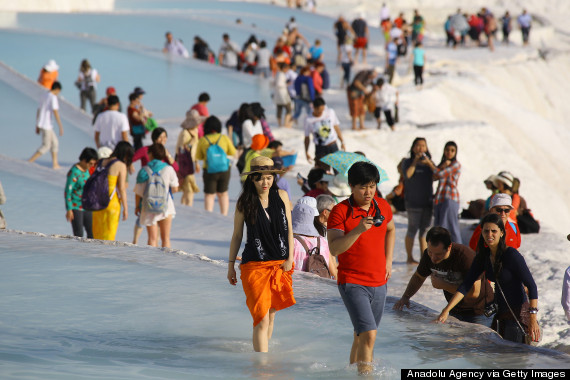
(361,233)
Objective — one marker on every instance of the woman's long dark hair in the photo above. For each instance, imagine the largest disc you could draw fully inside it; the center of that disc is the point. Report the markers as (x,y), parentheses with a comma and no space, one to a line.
(416,140)
(483,250)
(248,201)
(443,159)
(124,151)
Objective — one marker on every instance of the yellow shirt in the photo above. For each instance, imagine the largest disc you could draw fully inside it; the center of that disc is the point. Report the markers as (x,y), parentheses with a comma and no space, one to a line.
(225,143)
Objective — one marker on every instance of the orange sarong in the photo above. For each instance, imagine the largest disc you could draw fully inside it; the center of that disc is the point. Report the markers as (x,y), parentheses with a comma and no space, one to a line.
(266,286)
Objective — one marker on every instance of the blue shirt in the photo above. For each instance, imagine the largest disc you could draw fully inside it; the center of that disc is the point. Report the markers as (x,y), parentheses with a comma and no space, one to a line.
(316,52)
(419,54)
(392,53)
(524,20)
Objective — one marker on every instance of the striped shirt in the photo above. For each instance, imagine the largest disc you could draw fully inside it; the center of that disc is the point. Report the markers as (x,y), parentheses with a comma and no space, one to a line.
(448,179)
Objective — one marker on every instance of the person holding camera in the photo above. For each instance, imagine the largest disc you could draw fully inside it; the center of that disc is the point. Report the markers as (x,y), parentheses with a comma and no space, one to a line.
(448,264)
(362,234)
(418,197)
(515,317)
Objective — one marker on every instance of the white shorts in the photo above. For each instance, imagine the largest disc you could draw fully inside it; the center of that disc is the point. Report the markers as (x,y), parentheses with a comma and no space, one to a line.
(49,141)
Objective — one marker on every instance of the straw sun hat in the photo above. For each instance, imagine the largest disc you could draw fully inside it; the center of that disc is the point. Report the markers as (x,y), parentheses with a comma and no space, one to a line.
(193,120)
(263,165)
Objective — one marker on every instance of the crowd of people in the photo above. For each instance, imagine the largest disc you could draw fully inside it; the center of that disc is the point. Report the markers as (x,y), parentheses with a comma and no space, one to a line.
(461,25)
(343,227)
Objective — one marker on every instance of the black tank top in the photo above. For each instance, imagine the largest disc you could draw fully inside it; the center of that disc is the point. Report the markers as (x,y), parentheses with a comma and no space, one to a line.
(268,238)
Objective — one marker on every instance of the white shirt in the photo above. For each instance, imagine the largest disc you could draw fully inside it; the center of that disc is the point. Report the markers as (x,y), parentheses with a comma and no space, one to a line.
(263,56)
(396,32)
(291,75)
(248,130)
(386,97)
(92,75)
(176,47)
(110,124)
(345,49)
(48,104)
(384,13)
(171,180)
(229,50)
(281,95)
(322,127)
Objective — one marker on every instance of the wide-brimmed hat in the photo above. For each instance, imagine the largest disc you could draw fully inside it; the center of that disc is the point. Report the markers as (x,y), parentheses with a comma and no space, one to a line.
(501,200)
(492,178)
(311,202)
(259,142)
(340,186)
(303,219)
(104,152)
(193,120)
(51,66)
(262,165)
(506,178)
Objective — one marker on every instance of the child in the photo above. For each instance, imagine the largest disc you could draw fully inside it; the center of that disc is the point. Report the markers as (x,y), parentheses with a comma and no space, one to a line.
(386,98)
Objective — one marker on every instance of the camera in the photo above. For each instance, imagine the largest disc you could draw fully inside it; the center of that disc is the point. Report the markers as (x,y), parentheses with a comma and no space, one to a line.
(378,219)
(490,309)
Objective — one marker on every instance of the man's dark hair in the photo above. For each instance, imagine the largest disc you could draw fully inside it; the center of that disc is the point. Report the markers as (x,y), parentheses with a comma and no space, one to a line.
(439,235)
(315,175)
(275,144)
(263,44)
(56,86)
(226,36)
(132,97)
(380,82)
(362,173)
(112,100)
(204,97)
(318,102)
(88,154)
(212,125)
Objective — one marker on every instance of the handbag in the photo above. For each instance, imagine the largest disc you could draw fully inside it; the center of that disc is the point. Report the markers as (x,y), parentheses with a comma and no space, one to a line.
(185,163)
(527,224)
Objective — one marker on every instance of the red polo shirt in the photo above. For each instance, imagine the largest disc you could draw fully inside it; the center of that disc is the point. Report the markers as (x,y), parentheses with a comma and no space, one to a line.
(364,263)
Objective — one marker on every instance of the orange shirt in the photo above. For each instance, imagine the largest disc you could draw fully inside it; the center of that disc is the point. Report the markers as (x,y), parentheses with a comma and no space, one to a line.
(399,22)
(364,263)
(513,238)
(47,78)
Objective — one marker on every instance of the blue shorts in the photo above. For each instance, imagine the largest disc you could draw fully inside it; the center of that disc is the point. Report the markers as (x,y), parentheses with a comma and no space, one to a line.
(365,305)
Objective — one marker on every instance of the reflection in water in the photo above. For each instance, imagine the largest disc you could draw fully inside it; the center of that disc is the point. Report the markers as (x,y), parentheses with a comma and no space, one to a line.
(130,310)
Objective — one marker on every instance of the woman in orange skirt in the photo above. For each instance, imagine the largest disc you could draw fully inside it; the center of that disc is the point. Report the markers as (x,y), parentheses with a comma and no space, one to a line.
(267,259)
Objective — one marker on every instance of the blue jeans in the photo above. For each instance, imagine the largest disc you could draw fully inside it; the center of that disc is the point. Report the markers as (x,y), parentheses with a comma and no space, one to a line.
(473,318)
(299,105)
(446,215)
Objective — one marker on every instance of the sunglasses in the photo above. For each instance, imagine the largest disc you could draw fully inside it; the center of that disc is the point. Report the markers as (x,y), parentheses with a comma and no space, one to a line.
(503,210)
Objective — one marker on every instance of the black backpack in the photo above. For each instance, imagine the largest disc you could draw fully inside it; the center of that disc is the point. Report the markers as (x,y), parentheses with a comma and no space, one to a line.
(316,262)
